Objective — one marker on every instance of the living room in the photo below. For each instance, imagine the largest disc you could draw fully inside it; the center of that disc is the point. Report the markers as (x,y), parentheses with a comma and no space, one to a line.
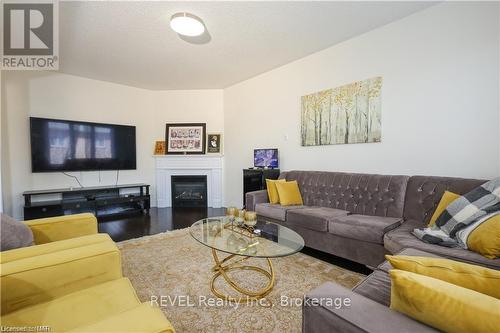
(378,117)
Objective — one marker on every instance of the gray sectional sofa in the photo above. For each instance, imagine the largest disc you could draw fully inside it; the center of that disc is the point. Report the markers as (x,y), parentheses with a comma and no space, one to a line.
(368,310)
(362,217)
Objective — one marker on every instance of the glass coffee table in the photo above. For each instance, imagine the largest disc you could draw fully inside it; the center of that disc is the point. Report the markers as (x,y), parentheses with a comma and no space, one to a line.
(240,242)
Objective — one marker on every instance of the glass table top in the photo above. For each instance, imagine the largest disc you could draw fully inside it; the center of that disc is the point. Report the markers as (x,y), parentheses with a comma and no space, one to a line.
(264,240)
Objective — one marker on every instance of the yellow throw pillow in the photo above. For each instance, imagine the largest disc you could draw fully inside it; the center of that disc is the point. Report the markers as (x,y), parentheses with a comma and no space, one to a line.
(272,192)
(480,279)
(289,193)
(446,200)
(485,239)
(443,305)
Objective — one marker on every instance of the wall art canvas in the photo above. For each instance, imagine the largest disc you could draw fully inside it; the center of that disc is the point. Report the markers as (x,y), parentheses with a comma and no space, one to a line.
(186,138)
(346,114)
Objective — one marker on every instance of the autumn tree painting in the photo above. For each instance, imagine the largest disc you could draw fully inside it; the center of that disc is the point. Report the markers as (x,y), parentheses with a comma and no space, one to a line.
(346,114)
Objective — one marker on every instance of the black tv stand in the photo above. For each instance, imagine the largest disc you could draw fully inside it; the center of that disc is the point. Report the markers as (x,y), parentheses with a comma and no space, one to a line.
(255,179)
(103,201)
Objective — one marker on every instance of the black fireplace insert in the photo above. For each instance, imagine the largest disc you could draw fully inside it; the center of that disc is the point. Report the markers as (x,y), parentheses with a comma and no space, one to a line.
(189,191)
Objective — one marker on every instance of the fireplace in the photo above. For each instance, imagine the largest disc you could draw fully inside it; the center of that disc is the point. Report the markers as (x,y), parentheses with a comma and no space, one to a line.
(210,166)
(189,191)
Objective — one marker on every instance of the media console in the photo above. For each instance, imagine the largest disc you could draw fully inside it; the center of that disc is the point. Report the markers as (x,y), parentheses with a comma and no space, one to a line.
(102,201)
(255,179)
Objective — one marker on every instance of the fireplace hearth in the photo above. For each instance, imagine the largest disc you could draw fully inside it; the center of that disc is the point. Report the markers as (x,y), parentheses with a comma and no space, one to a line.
(189,191)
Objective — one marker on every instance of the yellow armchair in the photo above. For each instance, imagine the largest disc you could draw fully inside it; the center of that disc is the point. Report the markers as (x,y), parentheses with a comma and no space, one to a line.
(71,279)
(68,255)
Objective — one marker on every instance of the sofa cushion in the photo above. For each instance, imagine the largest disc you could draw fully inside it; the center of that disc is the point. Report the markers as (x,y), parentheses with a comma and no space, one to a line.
(143,318)
(401,237)
(386,265)
(274,211)
(423,194)
(367,194)
(38,250)
(377,287)
(289,193)
(14,234)
(443,305)
(314,218)
(272,191)
(40,278)
(481,279)
(483,238)
(363,227)
(78,308)
(363,315)
(446,200)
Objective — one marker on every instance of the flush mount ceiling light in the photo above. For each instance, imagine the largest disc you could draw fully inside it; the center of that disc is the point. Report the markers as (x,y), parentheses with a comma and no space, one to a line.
(187,24)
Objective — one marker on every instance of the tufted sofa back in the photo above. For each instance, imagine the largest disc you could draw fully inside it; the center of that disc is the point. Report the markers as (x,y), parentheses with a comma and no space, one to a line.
(424,193)
(365,194)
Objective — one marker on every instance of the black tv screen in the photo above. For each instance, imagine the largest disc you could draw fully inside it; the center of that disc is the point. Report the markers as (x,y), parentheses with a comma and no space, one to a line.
(64,145)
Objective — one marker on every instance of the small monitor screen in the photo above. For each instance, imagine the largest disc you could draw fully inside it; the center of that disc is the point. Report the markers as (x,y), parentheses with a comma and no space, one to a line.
(265,158)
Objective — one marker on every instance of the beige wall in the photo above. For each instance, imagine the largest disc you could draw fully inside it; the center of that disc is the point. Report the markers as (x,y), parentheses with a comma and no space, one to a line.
(440,107)
(54,95)
(440,100)
(1,112)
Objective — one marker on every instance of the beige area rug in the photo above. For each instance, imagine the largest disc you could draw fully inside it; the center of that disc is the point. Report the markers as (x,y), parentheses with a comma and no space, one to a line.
(174,264)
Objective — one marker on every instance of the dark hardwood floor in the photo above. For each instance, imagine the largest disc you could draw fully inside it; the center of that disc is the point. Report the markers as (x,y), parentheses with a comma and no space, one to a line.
(160,220)
(164,219)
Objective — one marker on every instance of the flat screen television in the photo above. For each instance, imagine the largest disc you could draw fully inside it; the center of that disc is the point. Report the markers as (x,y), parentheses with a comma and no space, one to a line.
(265,158)
(65,145)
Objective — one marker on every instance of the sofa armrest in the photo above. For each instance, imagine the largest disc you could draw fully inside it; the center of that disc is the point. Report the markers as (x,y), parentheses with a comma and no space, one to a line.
(41,278)
(255,197)
(62,227)
(362,315)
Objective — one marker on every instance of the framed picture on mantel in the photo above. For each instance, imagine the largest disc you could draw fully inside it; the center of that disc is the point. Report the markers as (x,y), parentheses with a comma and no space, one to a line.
(214,143)
(185,138)
(160,148)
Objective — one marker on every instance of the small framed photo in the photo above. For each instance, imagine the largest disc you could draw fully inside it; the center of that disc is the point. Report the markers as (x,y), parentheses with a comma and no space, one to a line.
(160,148)
(185,138)
(214,144)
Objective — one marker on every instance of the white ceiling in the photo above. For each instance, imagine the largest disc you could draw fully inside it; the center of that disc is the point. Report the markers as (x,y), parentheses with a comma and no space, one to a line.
(131,42)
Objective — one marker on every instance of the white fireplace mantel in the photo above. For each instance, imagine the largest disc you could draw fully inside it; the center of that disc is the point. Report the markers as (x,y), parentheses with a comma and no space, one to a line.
(188,165)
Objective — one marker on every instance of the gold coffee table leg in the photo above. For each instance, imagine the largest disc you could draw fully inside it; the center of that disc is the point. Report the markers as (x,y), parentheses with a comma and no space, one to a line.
(221,270)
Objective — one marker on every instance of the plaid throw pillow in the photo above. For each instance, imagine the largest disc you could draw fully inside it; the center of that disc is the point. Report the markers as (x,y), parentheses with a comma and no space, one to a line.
(481,201)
